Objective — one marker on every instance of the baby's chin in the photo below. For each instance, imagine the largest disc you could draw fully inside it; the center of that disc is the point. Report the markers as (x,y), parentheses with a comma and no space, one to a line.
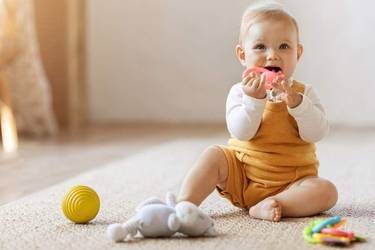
(288,73)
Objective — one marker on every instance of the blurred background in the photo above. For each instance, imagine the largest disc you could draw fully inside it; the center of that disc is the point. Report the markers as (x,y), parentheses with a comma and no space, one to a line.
(88,79)
(174,61)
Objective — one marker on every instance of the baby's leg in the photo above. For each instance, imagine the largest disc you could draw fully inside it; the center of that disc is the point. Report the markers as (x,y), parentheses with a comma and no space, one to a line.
(305,197)
(209,171)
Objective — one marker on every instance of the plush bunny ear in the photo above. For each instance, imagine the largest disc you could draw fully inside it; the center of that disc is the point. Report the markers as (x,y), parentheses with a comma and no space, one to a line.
(170,199)
(149,201)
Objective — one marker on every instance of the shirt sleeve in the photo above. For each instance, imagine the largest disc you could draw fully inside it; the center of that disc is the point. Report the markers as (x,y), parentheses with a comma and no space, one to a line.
(310,117)
(243,113)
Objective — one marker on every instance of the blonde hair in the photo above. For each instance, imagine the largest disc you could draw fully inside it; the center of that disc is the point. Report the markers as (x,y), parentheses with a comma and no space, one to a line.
(264,9)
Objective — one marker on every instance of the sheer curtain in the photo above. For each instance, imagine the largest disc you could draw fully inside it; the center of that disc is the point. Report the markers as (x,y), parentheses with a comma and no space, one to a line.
(22,71)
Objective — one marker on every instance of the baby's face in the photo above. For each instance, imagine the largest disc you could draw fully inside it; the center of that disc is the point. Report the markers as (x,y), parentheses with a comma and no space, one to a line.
(274,44)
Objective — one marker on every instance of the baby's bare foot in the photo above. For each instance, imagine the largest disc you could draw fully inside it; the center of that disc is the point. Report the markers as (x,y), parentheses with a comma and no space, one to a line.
(268,209)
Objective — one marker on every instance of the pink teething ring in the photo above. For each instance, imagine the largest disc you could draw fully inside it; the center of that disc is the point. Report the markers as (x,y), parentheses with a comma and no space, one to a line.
(270,75)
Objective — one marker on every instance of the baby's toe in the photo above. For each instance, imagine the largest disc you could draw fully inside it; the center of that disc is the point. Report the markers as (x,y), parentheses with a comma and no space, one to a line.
(277,213)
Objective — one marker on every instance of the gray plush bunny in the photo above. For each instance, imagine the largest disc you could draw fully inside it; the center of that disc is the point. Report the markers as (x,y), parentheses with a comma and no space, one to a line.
(155,218)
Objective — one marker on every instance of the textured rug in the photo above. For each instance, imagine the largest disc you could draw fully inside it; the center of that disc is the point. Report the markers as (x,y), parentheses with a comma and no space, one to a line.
(37,222)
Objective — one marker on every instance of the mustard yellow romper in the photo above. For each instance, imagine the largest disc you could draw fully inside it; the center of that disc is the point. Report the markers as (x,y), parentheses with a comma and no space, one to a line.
(269,162)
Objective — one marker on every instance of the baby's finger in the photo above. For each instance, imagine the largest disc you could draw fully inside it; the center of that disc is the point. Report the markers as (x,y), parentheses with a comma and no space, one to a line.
(262,81)
(255,83)
(246,79)
(250,84)
(263,78)
(277,85)
(255,74)
(285,86)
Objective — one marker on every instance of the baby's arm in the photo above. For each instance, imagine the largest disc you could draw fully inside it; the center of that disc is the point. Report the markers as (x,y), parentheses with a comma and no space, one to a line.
(310,116)
(243,113)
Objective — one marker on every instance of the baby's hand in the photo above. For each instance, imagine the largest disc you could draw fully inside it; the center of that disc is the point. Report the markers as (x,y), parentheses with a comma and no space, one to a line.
(288,95)
(254,85)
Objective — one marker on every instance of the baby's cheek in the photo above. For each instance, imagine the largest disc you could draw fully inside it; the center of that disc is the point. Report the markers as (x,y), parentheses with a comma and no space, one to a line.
(290,67)
(288,72)
(253,60)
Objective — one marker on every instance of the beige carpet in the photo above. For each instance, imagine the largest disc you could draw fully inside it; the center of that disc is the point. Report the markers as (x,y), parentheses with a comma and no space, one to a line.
(36,222)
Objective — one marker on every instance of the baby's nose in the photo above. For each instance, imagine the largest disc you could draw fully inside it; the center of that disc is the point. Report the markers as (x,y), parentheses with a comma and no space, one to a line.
(272,55)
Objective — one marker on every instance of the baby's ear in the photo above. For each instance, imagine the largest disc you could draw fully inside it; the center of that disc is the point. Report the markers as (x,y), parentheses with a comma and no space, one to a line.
(240,54)
(299,51)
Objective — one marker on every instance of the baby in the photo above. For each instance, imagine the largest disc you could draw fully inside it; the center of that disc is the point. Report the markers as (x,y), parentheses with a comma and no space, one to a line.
(270,166)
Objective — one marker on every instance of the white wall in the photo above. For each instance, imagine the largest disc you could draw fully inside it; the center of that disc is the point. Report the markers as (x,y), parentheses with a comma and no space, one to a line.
(174,61)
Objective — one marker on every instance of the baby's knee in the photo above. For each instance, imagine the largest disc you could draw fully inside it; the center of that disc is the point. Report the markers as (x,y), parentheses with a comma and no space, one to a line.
(328,192)
(213,149)
(215,153)
(218,162)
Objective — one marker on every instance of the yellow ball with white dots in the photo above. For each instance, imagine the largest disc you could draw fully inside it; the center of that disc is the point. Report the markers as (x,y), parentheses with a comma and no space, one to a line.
(81,204)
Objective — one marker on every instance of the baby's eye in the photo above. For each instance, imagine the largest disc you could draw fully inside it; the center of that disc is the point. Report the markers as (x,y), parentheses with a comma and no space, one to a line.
(259,47)
(284,46)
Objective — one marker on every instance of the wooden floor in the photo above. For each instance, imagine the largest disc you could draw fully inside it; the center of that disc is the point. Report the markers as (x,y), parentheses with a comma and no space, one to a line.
(39,164)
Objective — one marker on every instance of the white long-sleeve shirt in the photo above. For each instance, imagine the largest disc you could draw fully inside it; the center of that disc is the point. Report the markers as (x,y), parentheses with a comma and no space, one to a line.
(244,115)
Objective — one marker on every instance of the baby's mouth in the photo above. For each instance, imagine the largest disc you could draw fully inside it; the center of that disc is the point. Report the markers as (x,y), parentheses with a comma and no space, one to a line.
(273,68)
